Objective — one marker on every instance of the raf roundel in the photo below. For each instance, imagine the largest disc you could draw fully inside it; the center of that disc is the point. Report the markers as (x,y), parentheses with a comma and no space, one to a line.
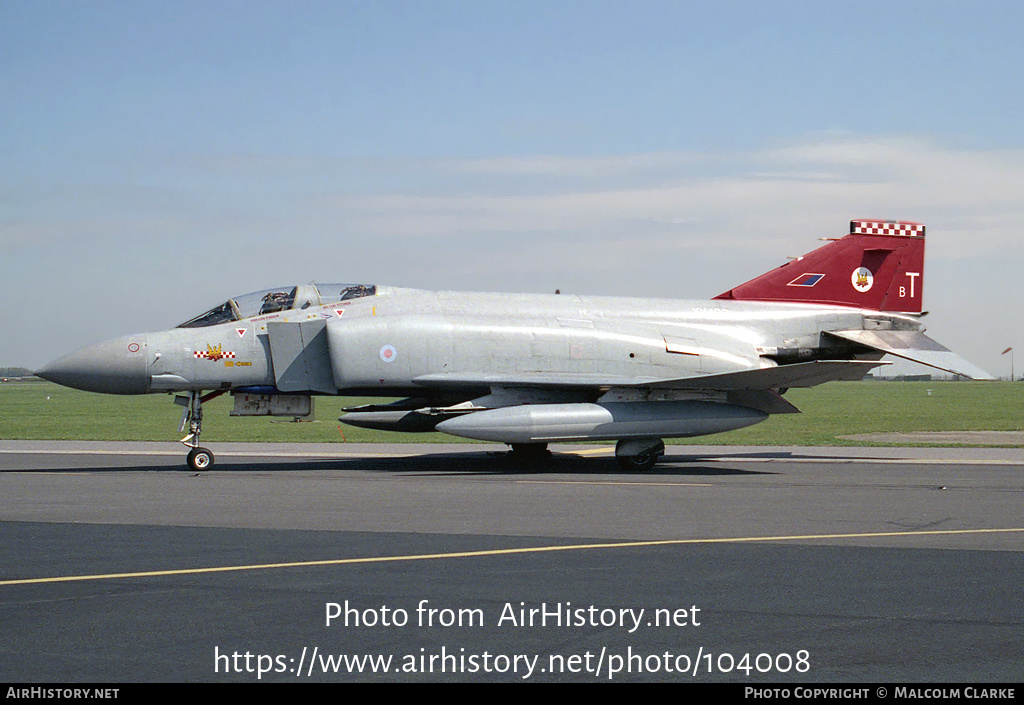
(388,353)
(862,279)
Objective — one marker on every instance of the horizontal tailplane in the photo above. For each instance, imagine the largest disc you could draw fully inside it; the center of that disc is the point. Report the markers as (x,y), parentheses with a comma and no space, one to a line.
(916,347)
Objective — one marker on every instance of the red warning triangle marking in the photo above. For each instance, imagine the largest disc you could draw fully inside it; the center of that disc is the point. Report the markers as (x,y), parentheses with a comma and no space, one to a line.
(241,332)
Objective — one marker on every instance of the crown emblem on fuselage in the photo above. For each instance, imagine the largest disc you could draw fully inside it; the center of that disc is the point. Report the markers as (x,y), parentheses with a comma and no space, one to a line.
(213,352)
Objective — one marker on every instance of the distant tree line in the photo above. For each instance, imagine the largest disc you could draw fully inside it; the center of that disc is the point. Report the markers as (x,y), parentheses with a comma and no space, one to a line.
(15,372)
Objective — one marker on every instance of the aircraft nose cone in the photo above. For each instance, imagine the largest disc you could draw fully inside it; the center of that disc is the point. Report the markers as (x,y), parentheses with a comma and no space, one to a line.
(115,366)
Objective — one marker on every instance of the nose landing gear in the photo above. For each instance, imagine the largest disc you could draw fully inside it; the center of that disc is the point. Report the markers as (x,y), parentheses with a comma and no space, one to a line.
(198,459)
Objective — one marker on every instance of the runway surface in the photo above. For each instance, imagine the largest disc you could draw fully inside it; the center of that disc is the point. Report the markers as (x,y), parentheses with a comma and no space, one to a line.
(455,563)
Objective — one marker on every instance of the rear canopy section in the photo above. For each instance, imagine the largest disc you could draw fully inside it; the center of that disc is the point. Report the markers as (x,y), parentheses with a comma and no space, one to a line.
(879,266)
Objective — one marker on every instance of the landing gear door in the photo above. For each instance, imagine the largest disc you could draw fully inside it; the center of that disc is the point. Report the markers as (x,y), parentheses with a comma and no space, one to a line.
(301,357)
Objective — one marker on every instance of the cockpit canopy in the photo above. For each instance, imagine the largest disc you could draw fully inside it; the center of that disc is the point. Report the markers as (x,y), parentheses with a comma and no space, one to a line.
(260,303)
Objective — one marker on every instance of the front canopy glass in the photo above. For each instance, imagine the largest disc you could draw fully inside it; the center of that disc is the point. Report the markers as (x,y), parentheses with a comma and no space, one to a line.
(269,301)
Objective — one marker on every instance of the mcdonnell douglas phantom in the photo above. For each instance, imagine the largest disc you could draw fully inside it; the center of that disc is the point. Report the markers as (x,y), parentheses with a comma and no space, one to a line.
(530,369)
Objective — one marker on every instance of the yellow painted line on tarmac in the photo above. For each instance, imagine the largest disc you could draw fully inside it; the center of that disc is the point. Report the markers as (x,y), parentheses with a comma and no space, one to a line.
(503,552)
(864,461)
(76,451)
(610,482)
(260,453)
(594,451)
(838,460)
(219,454)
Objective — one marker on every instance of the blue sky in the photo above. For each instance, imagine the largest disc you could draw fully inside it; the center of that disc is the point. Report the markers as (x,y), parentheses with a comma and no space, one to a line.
(160,156)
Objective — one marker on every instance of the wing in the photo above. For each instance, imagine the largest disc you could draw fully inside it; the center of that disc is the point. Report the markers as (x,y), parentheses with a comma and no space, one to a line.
(803,374)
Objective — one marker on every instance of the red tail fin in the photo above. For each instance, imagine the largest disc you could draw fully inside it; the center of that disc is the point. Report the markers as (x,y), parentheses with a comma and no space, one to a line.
(879,266)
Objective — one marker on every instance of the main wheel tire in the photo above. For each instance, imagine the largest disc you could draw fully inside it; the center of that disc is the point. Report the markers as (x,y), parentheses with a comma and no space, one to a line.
(199,459)
(639,461)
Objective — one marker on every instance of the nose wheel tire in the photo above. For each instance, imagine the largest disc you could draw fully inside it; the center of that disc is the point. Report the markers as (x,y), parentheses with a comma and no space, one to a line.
(199,459)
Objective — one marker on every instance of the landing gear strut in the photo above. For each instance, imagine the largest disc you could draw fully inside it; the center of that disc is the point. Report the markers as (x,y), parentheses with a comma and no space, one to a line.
(198,459)
(638,454)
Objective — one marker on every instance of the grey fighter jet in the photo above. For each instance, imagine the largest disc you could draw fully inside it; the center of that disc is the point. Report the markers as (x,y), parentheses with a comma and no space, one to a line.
(527,370)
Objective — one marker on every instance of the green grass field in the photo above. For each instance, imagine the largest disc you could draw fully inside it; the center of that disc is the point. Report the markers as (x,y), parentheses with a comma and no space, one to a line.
(45,411)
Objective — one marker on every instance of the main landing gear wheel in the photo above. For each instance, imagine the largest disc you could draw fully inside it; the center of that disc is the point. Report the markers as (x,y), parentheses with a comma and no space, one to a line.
(637,455)
(199,459)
